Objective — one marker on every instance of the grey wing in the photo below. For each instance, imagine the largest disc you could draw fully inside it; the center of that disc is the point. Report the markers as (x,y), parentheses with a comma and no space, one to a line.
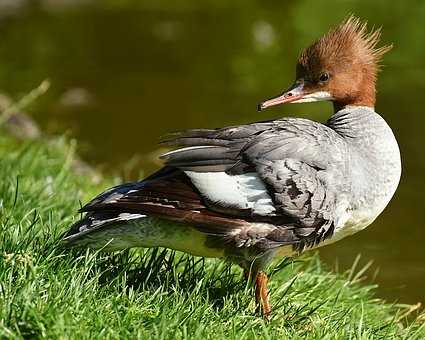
(238,148)
(301,163)
(303,193)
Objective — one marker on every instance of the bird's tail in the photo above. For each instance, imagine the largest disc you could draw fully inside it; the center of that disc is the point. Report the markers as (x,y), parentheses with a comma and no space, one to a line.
(105,229)
(112,231)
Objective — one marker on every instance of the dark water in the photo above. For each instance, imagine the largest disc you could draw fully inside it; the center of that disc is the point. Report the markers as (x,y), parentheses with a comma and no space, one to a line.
(125,72)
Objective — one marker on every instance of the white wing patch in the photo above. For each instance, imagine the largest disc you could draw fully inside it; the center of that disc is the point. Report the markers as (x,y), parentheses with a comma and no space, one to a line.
(246,191)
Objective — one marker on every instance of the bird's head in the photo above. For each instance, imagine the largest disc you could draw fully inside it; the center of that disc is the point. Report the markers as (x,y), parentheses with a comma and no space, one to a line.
(340,67)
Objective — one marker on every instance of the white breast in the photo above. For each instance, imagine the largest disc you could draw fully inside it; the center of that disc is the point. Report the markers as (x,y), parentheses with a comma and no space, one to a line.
(350,223)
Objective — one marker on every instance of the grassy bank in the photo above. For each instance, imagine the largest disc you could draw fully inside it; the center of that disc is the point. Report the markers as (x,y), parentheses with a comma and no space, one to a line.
(46,291)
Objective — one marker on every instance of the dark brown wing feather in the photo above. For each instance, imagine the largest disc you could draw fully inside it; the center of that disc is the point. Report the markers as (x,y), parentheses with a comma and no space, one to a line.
(167,194)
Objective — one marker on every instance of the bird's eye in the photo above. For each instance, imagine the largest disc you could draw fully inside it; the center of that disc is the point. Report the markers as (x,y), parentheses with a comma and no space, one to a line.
(324,77)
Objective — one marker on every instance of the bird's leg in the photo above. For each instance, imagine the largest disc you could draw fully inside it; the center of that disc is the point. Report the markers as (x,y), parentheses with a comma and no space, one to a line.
(262,294)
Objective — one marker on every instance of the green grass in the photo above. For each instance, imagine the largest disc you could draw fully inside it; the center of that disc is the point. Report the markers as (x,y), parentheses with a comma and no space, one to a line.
(50,292)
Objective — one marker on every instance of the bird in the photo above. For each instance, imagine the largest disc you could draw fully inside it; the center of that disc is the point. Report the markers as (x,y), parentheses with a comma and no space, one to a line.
(252,193)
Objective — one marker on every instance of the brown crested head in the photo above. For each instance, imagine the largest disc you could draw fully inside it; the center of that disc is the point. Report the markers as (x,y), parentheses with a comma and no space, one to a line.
(341,66)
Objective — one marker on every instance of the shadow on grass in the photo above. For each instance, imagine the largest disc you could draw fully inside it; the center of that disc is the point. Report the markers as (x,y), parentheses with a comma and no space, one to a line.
(170,271)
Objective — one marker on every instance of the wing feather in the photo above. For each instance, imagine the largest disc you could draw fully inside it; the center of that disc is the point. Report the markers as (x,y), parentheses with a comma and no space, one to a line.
(283,177)
(299,161)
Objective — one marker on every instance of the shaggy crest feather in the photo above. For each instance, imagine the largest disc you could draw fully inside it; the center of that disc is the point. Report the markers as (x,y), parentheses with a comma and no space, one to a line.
(349,39)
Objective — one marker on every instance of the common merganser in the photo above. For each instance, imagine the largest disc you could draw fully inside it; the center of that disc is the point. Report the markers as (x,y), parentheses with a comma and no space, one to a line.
(255,192)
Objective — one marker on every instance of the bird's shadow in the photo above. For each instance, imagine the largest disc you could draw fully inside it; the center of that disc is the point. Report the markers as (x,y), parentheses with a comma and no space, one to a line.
(172,271)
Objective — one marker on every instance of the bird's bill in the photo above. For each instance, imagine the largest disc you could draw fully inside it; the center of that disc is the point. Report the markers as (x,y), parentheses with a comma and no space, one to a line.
(296,94)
